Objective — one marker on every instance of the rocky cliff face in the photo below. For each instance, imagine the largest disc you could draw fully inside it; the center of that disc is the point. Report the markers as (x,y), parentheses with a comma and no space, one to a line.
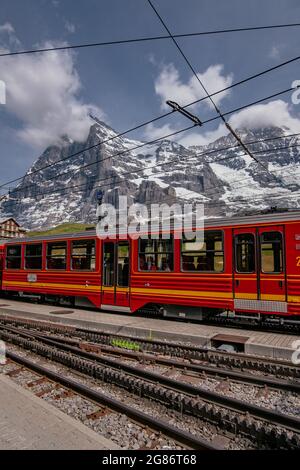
(226,179)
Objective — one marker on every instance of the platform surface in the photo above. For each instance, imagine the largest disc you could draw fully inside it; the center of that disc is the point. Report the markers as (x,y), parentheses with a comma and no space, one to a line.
(29,423)
(274,345)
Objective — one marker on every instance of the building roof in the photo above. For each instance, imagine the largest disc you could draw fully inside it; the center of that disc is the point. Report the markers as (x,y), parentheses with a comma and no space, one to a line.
(3,220)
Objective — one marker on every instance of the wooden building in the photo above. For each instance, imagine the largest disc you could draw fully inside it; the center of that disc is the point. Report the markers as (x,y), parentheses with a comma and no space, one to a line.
(9,228)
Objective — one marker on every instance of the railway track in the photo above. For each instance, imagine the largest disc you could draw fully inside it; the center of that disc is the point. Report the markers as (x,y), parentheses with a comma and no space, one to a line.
(200,369)
(266,426)
(234,361)
(107,404)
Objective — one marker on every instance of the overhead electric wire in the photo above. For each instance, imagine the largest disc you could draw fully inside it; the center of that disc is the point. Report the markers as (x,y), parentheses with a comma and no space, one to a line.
(276,195)
(257,199)
(213,203)
(207,97)
(88,165)
(85,185)
(144,144)
(240,82)
(209,189)
(148,39)
(231,130)
(206,153)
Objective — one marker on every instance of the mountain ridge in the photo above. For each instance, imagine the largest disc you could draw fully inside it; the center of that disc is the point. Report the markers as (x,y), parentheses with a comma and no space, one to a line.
(225,179)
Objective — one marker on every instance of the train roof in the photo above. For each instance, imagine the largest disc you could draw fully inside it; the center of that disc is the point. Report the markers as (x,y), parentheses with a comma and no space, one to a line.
(268,218)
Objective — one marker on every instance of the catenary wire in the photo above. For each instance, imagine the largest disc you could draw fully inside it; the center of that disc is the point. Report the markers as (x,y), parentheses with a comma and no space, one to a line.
(251,77)
(149,39)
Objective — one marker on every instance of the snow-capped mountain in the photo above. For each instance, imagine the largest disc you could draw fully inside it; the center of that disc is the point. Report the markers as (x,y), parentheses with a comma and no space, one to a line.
(225,179)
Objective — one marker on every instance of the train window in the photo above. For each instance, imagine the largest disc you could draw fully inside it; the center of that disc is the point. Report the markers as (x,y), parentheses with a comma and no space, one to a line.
(203,255)
(245,253)
(56,255)
(33,256)
(271,252)
(156,254)
(14,257)
(108,264)
(83,255)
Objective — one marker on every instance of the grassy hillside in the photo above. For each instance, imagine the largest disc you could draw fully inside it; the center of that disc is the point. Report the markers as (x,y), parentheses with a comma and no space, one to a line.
(63,228)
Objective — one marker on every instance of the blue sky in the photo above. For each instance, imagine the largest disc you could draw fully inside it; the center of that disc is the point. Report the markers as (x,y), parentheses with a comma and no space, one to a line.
(128,84)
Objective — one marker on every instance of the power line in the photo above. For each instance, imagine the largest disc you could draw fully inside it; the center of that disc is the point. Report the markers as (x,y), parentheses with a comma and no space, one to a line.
(255,152)
(144,144)
(148,39)
(85,185)
(230,157)
(206,193)
(213,203)
(231,130)
(251,77)
(223,204)
(194,155)
(150,142)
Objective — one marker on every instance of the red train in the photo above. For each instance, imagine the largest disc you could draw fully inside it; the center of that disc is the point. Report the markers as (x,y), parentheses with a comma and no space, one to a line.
(246,265)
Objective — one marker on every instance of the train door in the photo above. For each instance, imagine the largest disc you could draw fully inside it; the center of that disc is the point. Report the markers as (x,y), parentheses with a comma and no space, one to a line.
(245,264)
(115,275)
(272,285)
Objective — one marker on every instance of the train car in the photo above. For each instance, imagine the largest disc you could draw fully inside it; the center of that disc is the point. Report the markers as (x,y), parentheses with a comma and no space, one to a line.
(245,266)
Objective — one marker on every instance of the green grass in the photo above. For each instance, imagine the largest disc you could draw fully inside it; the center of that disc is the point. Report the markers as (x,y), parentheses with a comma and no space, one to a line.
(63,228)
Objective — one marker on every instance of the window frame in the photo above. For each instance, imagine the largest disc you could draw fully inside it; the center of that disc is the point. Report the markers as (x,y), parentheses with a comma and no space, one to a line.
(282,252)
(235,253)
(220,251)
(172,253)
(91,270)
(66,255)
(41,256)
(15,257)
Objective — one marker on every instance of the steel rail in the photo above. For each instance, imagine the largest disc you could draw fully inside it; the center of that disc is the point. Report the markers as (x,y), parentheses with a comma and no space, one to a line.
(238,360)
(258,412)
(179,435)
(200,368)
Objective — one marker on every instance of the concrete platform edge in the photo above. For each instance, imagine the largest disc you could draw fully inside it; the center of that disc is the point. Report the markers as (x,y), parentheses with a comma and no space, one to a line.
(68,420)
(251,346)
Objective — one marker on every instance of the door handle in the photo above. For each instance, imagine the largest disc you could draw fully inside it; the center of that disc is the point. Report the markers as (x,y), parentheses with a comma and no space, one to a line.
(281,284)
(237,282)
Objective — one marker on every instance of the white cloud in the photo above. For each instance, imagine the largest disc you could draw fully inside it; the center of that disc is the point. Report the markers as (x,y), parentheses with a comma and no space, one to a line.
(70,27)
(169,86)
(273,114)
(42,92)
